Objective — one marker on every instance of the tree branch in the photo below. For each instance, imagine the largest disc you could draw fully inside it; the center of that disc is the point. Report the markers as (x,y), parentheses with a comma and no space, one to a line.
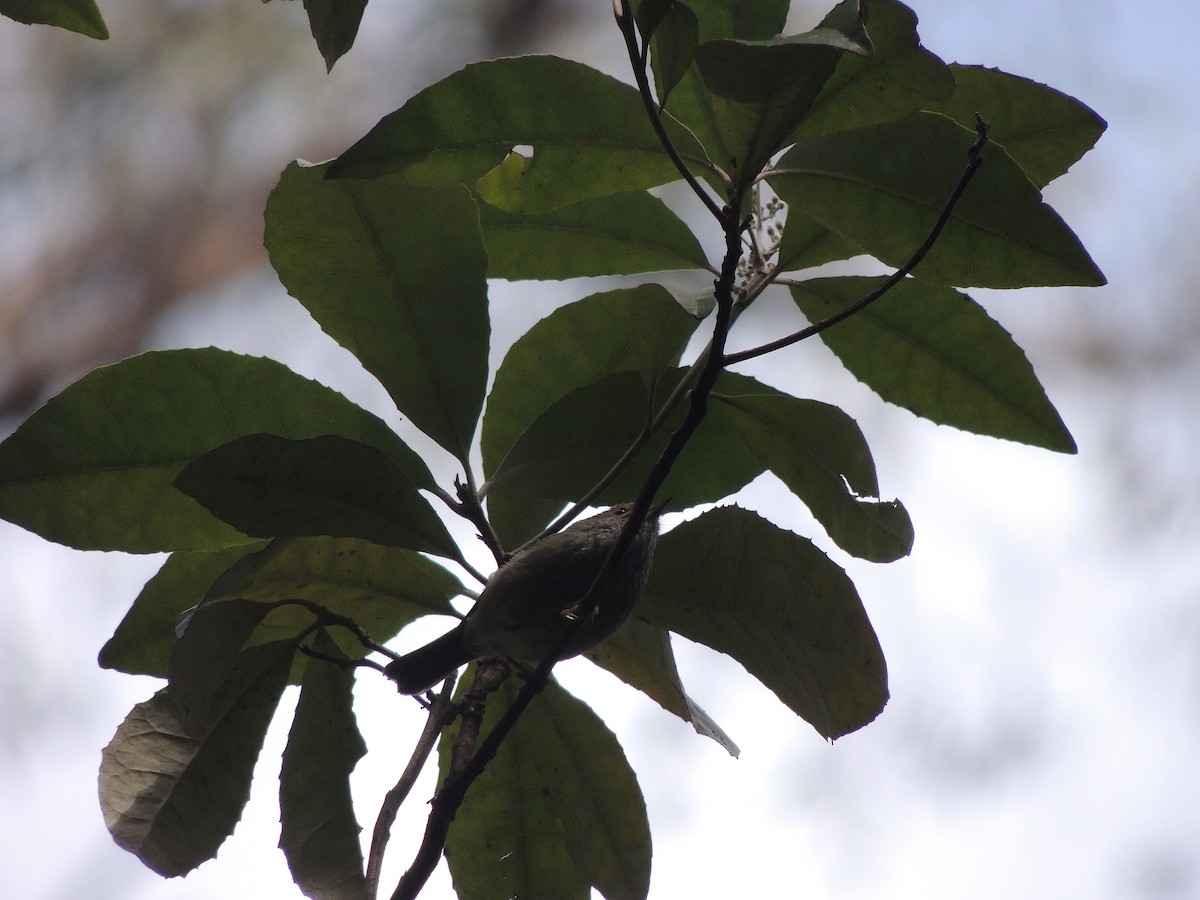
(441,714)
(637,59)
(974,163)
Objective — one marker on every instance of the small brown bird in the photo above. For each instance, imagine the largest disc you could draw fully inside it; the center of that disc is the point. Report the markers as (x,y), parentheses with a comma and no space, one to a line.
(530,600)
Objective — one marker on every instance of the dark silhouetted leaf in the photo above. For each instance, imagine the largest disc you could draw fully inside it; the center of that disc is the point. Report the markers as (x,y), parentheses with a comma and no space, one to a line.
(1044,130)
(320,832)
(624,234)
(334,25)
(935,352)
(330,486)
(589,134)
(368,260)
(776,604)
(81,16)
(557,812)
(94,467)
(172,799)
(885,186)
(638,329)
(820,454)
(640,655)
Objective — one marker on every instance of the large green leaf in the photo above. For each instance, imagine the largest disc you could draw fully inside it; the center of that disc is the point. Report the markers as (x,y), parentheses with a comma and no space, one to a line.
(640,655)
(775,603)
(204,657)
(619,235)
(396,273)
(81,16)
(935,352)
(142,642)
(319,836)
(746,95)
(569,447)
(885,186)
(557,812)
(806,243)
(94,467)
(268,486)
(1044,130)
(640,329)
(171,798)
(820,454)
(589,134)
(381,588)
(334,25)
(898,78)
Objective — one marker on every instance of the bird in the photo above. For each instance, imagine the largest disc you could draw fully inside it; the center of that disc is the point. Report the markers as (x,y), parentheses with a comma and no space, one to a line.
(531,599)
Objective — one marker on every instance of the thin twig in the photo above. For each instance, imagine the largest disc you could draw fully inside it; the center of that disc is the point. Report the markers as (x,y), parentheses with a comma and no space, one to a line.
(974,163)
(637,59)
(441,714)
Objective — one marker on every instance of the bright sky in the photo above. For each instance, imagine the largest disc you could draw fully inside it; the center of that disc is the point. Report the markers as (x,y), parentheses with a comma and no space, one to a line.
(1042,641)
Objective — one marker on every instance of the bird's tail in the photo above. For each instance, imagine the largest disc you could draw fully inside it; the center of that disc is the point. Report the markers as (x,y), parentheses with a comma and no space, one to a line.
(423,668)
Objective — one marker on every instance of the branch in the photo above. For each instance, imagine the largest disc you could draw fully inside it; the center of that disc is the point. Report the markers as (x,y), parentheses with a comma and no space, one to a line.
(441,714)
(637,59)
(974,162)
(448,800)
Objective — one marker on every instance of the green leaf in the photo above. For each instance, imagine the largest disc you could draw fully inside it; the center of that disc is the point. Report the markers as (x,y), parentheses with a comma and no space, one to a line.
(590,135)
(320,832)
(172,799)
(673,48)
(557,812)
(1044,130)
(142,643)
(334,25)
(898,78)
(205,655)
(820,454)
(751,93)
(805,243)
(638,329)
(81,16)
(396,274)
(94,467)
(885,186)
(269,486)
(936,353)
(381,588)
(624,234)
(640,655)
(775,603)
